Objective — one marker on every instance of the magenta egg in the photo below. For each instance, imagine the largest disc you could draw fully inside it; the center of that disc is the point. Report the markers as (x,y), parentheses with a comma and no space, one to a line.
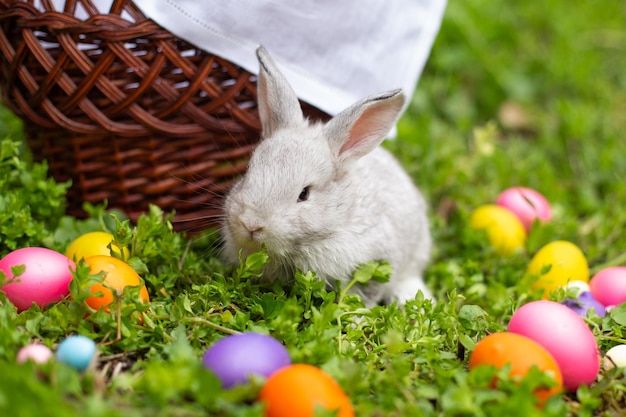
(565,335)
(527,204)
(608,286)
(45,279)
(235,358)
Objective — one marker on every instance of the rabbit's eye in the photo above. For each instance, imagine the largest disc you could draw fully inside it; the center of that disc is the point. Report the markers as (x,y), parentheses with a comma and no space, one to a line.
(304,194)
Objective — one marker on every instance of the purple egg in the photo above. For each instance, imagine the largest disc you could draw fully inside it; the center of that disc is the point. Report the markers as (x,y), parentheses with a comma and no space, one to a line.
(585,302)
(234,358)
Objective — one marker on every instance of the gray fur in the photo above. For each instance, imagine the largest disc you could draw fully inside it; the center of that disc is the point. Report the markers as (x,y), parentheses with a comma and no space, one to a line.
(362,206)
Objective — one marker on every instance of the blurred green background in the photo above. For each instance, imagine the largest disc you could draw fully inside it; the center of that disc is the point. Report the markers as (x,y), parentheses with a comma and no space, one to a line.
(526,93)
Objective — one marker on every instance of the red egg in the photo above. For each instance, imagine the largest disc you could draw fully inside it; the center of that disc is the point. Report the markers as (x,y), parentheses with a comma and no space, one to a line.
(45,279)
(527,204)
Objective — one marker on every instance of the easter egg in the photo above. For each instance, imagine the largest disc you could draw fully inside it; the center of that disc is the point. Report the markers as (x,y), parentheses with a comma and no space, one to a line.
(119,275)
(609,285)
(520,353)
(297,390)
(77,352)
(504,230)
(583,303)
(527,204)
(615,357)
(234,358)
(579,286)
(565,335)
(93,243)
(556,264)
(45,279)
(36,352)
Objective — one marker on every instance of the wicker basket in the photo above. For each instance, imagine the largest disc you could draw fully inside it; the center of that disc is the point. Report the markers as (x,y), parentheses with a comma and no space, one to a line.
(127,111)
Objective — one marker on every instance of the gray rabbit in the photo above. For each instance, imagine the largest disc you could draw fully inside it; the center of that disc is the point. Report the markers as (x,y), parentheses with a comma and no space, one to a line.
(325,197)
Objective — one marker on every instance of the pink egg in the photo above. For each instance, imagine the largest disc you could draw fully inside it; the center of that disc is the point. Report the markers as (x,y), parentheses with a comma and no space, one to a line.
(45,279)
(36,352)
(609,285)
(565,335)
(527,204)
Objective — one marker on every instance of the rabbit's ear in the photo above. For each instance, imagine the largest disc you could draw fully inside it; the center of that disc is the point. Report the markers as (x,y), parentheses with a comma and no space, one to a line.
(360,128)
(278,104)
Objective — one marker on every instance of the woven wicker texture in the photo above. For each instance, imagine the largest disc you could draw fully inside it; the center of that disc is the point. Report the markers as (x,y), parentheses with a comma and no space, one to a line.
(127,111)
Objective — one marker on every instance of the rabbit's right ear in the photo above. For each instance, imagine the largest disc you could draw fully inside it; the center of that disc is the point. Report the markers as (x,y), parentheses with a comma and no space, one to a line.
(278,103)
(360,128)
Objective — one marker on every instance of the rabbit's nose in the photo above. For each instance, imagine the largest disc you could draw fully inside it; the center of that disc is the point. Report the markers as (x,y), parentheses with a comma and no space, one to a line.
(255,231)
(252,223)
(253,227)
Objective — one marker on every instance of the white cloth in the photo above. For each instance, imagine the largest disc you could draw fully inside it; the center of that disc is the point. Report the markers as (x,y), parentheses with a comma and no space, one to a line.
(333,52)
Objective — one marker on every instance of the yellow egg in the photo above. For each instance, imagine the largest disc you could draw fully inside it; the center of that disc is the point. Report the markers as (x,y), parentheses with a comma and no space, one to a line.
(505,231)
(556,264)
(93,243)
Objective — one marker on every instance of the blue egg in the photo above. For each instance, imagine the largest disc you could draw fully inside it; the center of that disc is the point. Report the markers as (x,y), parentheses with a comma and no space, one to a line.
(77,352)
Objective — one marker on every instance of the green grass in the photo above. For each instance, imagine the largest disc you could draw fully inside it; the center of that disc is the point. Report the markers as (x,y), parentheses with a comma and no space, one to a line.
(556,65)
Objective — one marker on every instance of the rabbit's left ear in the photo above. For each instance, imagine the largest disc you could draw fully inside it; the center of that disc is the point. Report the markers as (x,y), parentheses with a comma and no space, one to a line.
(278,103)
(360,128)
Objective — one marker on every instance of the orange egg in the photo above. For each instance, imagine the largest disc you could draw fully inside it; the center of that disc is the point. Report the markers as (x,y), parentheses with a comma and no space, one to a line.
(521,353)
(118,276)
(296,390)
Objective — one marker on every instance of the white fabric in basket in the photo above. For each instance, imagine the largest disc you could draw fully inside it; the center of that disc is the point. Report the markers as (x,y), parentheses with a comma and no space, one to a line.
(333,52)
